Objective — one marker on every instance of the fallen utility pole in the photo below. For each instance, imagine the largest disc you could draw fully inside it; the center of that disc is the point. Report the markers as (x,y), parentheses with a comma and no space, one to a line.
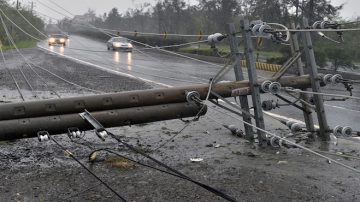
(122,100)
(59,124)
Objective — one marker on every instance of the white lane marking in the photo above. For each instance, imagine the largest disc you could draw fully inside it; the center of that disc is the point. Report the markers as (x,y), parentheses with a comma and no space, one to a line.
(342,108)
(104,68)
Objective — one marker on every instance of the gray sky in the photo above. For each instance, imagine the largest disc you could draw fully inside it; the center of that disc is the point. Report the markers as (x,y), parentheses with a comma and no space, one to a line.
(351,8)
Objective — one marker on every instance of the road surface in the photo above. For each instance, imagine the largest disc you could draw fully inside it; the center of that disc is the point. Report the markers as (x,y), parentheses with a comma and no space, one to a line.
(165,70)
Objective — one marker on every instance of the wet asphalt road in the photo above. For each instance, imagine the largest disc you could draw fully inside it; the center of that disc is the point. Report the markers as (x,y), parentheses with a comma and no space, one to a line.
(165,70)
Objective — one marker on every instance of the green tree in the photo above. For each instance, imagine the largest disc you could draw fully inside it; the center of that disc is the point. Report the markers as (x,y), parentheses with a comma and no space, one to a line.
(339,57)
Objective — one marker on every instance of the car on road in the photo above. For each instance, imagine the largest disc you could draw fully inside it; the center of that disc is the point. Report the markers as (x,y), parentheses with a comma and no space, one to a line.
(119,43)
(55,39)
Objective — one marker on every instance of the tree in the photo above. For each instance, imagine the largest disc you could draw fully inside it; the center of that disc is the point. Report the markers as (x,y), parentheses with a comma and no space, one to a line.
(113,19)
(339,57)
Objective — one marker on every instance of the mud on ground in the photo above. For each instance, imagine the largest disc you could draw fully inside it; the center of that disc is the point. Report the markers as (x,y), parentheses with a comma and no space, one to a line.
(33,171)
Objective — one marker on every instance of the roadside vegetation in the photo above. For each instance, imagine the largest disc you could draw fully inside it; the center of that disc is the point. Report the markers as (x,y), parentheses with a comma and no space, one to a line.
(211,16)
(21,39)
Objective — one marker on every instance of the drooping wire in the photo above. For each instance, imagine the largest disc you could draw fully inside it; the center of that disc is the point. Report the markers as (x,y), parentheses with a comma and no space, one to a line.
(31,24)
(87,169)
(12,76)
(94,150)
(24,58)
(12,22)
(289,142)
(211,189)
(323,94)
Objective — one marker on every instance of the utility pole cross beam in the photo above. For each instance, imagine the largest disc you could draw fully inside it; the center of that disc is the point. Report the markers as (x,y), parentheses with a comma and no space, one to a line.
(239,75)
(255,88)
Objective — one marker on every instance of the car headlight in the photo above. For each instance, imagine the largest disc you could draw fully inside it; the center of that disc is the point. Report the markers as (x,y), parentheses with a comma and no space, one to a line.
(116,44)
(130,45)
(52,40)
(62,40)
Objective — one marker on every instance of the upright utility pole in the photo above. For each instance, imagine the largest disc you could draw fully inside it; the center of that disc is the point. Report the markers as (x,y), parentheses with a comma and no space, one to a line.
(307,111)
(239,75)
(255,88)
(17,4)
(315,83)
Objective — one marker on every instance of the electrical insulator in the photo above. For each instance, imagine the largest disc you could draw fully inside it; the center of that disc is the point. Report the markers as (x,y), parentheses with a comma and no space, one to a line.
(43,136)
(289,123)
(234,130)
(101,134)
(276,142)
(342,131)
(274,87)
(74,133)
(258,28)
(215,38)
(316,25)
(265,86)
(346,131)
(336,79)
(296,127)
(192,96)
(327,79)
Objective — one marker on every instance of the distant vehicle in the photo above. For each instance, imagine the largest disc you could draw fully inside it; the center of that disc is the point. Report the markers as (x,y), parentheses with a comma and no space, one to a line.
(66,35)
(119,43)
(57,39)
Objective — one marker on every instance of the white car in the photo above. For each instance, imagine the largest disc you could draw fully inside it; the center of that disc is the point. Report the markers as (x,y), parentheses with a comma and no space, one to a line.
(119,43)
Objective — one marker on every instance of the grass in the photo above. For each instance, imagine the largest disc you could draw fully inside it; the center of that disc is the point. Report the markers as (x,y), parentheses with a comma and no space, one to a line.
(21,44)
(204,49)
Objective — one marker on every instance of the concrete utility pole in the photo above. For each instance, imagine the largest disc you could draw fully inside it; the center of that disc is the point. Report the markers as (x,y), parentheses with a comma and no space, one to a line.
(307,111)
(59,124)
(255,88)
(139,98)
(315,83)
(239,75)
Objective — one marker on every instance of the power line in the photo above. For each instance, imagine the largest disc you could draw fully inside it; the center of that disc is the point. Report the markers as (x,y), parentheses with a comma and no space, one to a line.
(324,94)
(18,51)
(87,169)
(18,26)
(12,76)
(290,142)
(211,189)
(31,23)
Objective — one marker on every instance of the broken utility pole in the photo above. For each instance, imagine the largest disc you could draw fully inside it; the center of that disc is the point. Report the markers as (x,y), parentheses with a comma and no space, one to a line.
(56,116)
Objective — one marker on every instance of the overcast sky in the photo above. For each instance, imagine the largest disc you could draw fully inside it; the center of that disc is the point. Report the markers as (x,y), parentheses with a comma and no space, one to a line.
(351,8)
